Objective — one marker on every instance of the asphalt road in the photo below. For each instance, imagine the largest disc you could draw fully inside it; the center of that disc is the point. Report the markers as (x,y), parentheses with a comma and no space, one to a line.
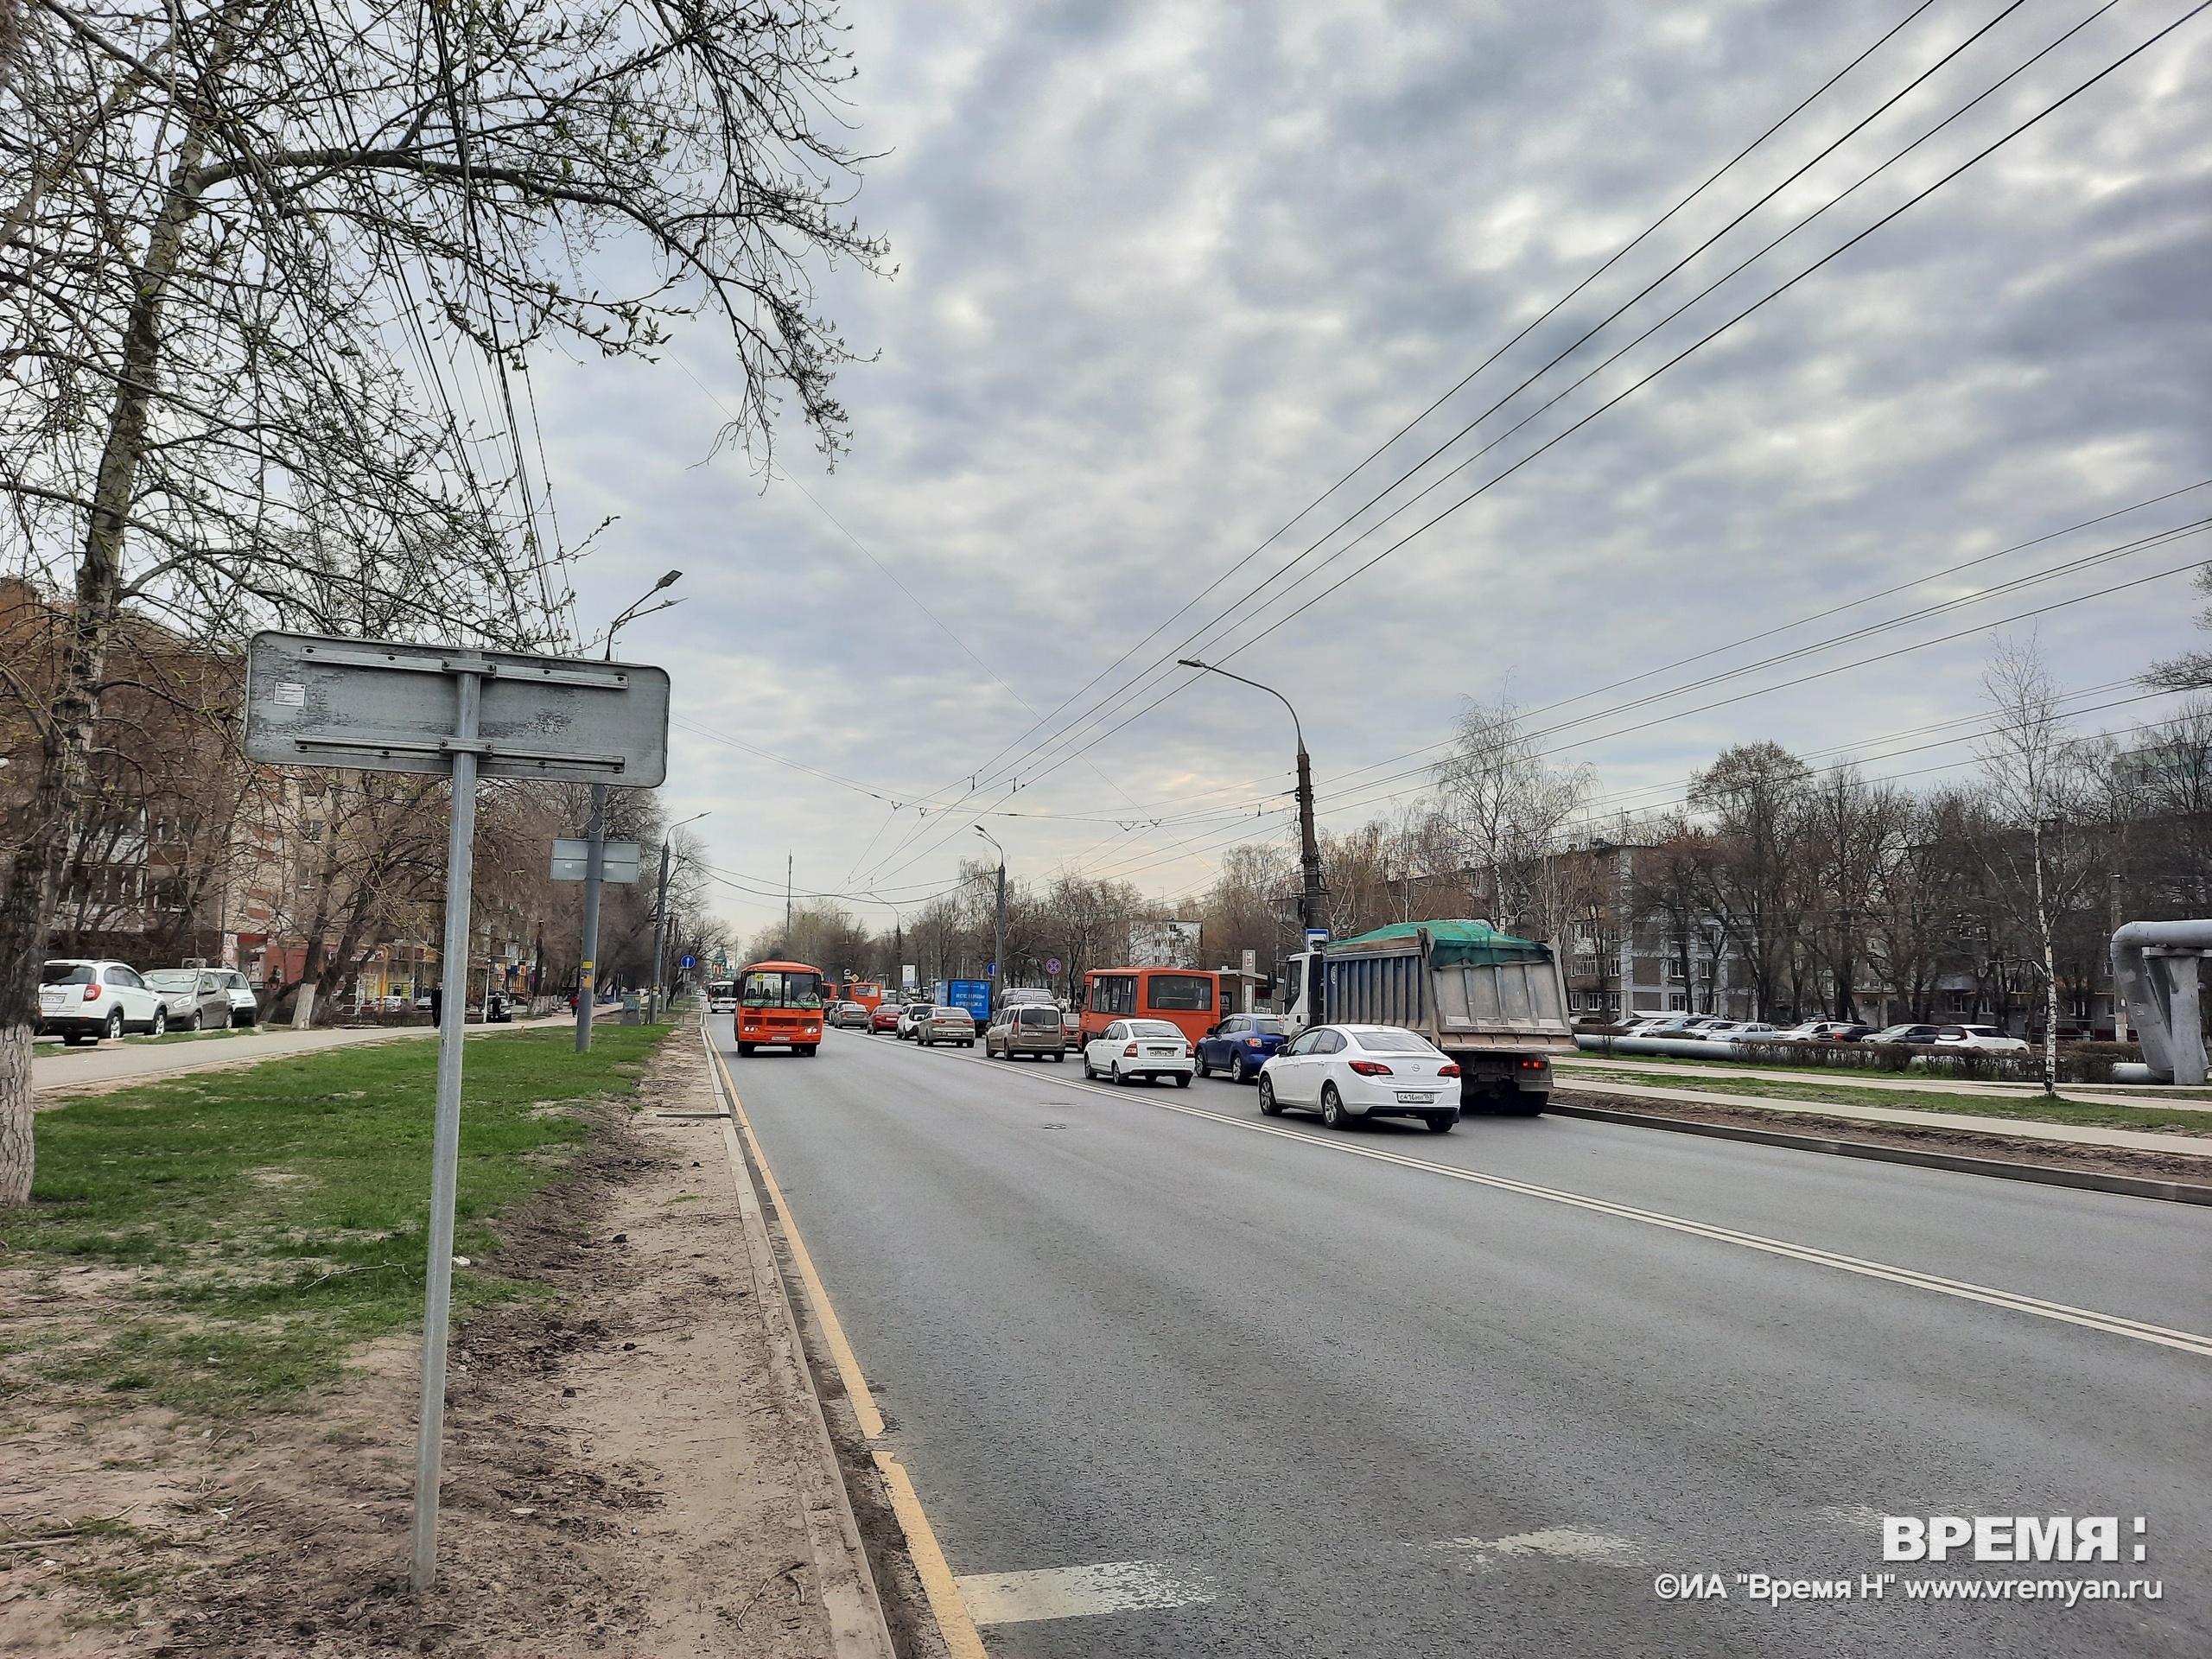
(1171,1384)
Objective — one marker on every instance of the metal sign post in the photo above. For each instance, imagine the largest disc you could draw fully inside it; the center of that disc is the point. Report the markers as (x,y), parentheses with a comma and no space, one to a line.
(382,706)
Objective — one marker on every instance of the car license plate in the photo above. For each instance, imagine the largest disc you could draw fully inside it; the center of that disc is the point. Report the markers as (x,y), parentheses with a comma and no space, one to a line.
(1407,1097)
(1164,1053)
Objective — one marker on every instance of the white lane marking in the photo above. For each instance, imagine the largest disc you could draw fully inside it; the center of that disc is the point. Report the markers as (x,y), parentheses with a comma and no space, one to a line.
(1081,1591)
(2188,1342)
(1562,1544)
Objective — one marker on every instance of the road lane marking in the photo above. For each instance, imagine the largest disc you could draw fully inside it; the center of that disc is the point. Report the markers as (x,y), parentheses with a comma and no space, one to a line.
(1081,1592)
(954,1623)
(2188,1342)
(1560,1543)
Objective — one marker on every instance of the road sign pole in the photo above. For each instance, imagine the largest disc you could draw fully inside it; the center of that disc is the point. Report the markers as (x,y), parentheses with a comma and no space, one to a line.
(461,848)
(660,924)
(595,872)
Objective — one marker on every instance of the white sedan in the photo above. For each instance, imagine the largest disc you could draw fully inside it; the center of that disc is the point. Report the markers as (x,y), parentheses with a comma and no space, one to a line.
(1349,1072)
(1140,1048)
(1985,1039)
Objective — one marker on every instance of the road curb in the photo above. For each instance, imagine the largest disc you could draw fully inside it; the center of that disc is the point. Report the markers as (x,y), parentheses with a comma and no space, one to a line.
(2134,1186)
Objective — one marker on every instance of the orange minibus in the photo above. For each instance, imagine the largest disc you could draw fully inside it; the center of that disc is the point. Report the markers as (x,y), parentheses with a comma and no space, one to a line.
(779,1006)
(1189,998)
(869,993)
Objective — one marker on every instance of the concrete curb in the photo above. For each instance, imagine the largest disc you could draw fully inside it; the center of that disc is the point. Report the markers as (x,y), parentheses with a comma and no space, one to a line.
(2134,1186)
(858,1629)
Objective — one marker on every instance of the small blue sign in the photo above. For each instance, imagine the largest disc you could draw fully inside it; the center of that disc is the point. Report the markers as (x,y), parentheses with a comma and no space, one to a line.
(990,970)
(689,961)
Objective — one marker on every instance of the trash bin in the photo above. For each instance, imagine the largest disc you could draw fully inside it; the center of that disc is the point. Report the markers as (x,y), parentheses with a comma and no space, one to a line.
(634,1012)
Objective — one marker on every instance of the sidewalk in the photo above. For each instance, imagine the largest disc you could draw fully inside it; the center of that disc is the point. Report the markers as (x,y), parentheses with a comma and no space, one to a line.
(68,1070)
(2083,1094)
(2014,1128)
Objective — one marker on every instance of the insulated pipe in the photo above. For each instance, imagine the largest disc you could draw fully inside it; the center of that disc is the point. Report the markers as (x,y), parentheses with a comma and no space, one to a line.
(2154,970)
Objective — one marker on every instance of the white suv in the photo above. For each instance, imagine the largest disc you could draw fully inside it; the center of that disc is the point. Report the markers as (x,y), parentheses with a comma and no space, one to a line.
(87,1000)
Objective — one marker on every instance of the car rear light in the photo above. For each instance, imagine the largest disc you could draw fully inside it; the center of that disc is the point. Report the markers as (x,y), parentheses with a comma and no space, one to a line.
(1188,1050)
(92,992)
(1370,1068)
(1532,1065)
(1447,1070)
(1251,1042)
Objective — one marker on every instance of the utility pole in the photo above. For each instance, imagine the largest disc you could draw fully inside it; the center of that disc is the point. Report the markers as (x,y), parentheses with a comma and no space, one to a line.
(596,860)
(660,920)
(595,874)
(787,904)
(2119,1000)
(1313,899)
(998,935)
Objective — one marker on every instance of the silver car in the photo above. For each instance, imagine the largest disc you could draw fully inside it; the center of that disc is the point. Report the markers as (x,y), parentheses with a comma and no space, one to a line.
(197,998)
(946,1025)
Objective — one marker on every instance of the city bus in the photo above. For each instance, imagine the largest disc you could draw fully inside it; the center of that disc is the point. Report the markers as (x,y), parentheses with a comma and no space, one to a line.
(779,1006)
(869,993)
(1190,999)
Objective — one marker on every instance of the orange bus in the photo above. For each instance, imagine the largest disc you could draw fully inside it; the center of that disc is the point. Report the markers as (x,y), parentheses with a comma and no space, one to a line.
(869,993)
(779,1006)
(1191,999)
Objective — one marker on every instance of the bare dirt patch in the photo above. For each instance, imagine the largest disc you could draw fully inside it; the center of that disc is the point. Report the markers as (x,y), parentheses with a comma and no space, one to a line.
(618,1479)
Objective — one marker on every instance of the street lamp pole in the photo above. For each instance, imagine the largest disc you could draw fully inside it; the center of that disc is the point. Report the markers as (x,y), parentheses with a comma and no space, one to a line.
(660,917)
(1313,901)
(595,853)
(998,936)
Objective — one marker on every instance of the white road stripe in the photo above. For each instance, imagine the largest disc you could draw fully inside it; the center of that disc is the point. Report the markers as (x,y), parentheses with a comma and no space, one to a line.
(1081,1591)
(2188,1342)
(1562,1543)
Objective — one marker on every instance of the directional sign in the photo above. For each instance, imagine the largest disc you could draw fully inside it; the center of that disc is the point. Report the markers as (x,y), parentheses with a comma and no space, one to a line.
(689,961)
(618,860)
(1053,966)
(385,706)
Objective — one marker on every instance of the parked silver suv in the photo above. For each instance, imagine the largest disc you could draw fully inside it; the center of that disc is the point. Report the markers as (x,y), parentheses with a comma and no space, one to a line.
(85,1001)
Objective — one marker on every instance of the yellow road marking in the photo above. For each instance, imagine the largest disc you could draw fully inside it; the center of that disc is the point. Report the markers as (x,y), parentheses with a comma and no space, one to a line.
(954,1622)
(2188,1342)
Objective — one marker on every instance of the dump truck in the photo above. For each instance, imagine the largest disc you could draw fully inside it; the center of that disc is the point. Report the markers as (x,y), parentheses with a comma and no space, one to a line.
(1494,1003)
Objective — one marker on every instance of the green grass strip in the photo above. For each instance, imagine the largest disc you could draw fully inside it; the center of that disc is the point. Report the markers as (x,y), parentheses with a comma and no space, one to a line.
(274,1217)
(2032,1108)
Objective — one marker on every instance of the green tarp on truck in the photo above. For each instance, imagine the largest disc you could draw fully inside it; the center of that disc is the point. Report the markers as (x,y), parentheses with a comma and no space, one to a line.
(1451,944)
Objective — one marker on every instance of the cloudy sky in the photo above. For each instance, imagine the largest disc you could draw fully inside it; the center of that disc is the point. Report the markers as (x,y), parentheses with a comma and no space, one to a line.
(1168,273)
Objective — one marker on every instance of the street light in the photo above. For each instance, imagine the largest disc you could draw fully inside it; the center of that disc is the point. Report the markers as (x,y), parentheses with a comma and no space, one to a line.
(639,609)
(1313,903)
(998,936)
(596,853)
(660,908)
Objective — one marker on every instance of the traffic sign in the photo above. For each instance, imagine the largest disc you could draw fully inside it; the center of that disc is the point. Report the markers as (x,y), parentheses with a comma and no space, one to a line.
(689,961)
(381,706)
(990,970)
(618,860)
(1053,966)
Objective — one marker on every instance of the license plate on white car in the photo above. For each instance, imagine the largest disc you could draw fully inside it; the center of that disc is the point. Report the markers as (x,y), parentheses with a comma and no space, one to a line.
(1405,1097)
(1165,1053)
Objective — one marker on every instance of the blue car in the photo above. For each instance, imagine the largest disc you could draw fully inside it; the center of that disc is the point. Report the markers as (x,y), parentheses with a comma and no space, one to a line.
(1240,1046)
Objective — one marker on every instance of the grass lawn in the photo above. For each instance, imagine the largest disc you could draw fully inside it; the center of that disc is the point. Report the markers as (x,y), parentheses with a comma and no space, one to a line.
(1846,1076)
(273,1217)
(1798,1086)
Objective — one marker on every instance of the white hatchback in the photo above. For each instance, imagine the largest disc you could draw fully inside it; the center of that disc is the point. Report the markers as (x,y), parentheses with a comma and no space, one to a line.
(1140,1048)
(1350,1072)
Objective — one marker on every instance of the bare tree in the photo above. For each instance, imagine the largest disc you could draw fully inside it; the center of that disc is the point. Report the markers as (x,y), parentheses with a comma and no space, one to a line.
(231,227)
(1508,811)
(2034,767)
(2192,669)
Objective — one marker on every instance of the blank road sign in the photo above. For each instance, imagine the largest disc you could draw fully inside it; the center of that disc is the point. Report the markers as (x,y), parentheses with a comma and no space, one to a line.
(386,706)
(618,860)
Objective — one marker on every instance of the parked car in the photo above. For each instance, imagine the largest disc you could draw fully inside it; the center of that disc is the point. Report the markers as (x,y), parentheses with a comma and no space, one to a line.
(1350,1072)
(1730,1031)
(852,1016)
(1986,1039)
(885,1017)
(195,1001)
(87,1000)
(942,1023)
(1907,1033)
(1025,1028)
(1139,1048)
(1825,1030)
(1240,1046)
(245,1005)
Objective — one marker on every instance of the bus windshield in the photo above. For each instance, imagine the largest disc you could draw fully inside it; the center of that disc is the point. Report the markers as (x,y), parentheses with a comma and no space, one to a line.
(769,989)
